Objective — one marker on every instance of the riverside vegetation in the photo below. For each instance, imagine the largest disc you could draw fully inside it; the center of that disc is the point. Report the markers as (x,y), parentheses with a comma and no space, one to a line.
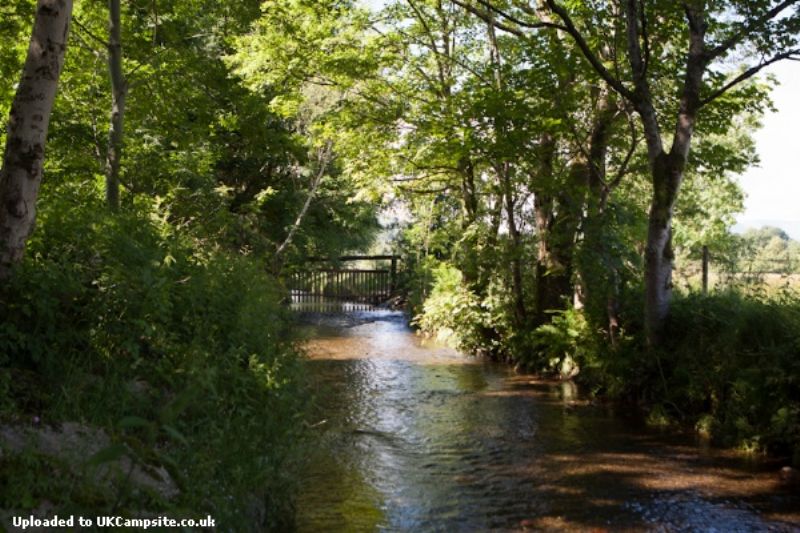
(546,165)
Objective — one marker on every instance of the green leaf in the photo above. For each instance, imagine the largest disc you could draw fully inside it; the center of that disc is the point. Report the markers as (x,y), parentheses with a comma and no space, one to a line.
(130,422)
(107,455)
(175,434)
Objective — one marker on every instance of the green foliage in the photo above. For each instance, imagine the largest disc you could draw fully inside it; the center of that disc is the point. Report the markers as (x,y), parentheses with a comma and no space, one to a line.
(445,306)
(747,375)
(14,27)
(559,345)
(767,250)
(298,42)
(729,366)
(181,353)
(159,326)
(450,311)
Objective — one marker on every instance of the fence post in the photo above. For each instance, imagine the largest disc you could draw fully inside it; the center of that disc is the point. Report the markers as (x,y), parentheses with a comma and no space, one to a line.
(705,270)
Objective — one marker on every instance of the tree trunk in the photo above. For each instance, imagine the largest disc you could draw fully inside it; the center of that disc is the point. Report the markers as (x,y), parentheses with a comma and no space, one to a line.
(504,174)
(325,157)
(468,191)
(119,90)
(488,258)
(468,249)
(29,119)
(557,283)
(667,171)
(668,168)
(520,314)
(553,265)
(557,218)
(599,274)
(658,253)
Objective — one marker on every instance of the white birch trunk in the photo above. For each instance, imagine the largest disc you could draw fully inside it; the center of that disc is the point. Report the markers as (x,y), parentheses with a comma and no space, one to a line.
(23,158)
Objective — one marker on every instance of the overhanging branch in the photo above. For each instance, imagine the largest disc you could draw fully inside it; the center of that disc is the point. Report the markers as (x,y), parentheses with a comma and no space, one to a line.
(793,55)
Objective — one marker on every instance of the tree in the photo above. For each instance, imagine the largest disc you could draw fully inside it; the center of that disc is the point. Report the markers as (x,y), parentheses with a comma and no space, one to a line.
(300,59)
(119,89)
(564,161)
(29,119)
(715,31)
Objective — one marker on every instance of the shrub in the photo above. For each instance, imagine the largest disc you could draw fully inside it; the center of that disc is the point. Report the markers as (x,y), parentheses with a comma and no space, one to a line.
(558,346)
(737,359)
(451,312)
(176,349)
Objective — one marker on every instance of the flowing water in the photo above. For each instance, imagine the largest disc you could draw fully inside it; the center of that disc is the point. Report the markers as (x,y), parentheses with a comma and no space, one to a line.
(416,437)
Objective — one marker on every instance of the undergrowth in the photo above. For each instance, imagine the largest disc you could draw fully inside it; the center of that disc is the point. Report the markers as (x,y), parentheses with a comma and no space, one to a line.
(174,348)
(729,367)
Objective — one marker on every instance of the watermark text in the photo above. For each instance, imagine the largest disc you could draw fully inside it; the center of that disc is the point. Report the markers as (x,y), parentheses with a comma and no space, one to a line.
(109,521)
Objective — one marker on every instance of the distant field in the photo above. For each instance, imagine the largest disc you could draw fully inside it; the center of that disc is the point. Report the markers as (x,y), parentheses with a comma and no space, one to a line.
(692,280)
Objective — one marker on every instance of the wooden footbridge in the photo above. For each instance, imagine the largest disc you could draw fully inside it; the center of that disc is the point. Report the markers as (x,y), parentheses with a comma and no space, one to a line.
(353,282)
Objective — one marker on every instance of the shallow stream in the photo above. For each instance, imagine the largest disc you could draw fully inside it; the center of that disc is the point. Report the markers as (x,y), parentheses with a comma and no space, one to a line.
(417,437)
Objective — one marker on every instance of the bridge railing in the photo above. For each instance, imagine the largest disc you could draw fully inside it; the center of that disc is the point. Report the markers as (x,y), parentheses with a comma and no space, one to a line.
(330,285)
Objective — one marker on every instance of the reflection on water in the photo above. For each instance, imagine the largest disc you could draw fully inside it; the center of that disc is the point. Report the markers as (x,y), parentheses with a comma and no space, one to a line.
(314,304)
(416,437)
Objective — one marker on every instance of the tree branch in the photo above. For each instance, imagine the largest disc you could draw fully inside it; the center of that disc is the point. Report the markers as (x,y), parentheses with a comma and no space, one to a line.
(519,22)
(425,26)
(90,33)
(439,53)
(747,29)
(792,55)
(440,190)
(623,168)
(569,27)
(324,160)
(490,20)
(645,36)
(85,45)
(634,48)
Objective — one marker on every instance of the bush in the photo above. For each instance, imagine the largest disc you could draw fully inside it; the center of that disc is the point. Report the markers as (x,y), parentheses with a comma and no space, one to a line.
(736,359)
(558,346)
(451,312)
(730,367)
(177,350)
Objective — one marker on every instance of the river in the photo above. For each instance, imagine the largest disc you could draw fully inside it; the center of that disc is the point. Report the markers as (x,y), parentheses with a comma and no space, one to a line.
(411,436)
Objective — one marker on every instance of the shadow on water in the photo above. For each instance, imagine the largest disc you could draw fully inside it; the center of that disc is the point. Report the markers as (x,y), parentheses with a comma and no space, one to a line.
(413,436)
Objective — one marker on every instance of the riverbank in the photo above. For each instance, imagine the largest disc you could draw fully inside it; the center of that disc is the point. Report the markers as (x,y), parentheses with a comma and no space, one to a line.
(727,365)
(142,374)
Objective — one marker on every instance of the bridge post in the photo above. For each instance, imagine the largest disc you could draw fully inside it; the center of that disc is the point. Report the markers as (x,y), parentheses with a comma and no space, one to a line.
(393,276)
